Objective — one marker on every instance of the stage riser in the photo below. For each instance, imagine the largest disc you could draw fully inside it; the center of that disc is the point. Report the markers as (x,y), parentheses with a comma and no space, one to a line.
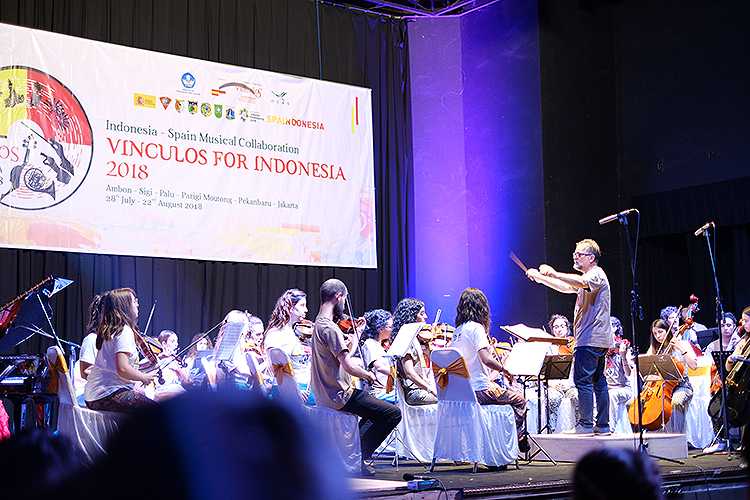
(571,447)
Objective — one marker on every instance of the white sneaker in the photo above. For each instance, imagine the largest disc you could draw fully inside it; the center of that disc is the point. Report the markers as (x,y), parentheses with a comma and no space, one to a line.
(718,446)
(579,429)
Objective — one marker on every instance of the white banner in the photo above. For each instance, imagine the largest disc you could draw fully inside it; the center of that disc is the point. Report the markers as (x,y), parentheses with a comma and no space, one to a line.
(114,150)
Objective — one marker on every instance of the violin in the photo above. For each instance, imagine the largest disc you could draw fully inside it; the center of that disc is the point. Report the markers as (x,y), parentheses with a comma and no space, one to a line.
(304,328)
(436,336)
(619,342)
(348,326)
(150,348)
(568,348)
(249,345)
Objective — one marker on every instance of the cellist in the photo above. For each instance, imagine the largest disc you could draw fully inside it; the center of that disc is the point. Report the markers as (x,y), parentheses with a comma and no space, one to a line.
(664,342)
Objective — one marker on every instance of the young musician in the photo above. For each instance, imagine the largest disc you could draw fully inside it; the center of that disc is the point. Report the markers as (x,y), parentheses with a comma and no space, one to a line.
(112,379)
(88,345)
(663,342)
(729,335)
(617,369)
(413,374)
(333,367)
(559,325)
(592,330)
(175,376)
(744,339)
(732,338)
(471,338)
(204,344)
(290,308)
(378,329)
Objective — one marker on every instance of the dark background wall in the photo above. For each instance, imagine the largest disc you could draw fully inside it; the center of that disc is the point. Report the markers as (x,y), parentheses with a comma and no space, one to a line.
(478,191)
(644,105)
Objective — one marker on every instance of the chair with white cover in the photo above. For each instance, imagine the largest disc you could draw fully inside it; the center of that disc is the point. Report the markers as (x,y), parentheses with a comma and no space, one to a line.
(466,430)
(88,429)
(699,429)
(340,428)
(416,430)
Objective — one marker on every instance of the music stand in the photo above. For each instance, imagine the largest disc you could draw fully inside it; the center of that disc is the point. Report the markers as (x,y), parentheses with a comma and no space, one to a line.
(525,362)
(658,367)
(555,367)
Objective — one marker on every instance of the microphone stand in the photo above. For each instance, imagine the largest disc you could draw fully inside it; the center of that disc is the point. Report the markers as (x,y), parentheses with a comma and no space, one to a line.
(636,311)
(723,436)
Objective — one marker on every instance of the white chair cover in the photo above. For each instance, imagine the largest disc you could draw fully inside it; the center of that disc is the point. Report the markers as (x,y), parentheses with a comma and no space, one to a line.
(88,429)
(340,428)
(417,428)
(698,427)
(467,431)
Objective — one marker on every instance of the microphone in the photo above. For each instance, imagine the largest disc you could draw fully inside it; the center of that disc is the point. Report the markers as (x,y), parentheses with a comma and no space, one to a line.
(613,217)
(412,477)
(703,228)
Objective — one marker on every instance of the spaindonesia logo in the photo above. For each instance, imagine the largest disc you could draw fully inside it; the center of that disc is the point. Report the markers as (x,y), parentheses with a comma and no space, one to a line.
(46,143)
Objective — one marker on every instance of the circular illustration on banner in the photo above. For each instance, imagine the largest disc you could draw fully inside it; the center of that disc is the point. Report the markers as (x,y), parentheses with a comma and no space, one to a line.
(46,143)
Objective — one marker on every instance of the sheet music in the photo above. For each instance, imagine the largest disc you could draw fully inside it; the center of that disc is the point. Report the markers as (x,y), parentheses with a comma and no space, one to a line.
(530,334)
(404,339)
(237,323)
(526,358)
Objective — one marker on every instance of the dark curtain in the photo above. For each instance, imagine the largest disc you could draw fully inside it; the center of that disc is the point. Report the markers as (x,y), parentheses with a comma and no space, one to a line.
(675,263)
(275,35)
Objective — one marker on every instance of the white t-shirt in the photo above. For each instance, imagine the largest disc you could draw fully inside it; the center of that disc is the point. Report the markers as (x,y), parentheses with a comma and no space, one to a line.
(288,342)
(103,379)
(469,339)
(88,348)
(372,350)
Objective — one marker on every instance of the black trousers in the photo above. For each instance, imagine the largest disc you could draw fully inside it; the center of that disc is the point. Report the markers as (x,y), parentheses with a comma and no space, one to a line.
(378,420)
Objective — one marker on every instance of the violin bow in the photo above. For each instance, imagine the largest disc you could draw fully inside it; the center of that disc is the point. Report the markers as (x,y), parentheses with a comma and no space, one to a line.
(150,315)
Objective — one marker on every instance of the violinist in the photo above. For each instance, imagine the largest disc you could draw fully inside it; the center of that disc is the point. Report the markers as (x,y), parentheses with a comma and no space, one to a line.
(744,332)
(378,329)
(664,342)
(617,370)
(413,373)
(558,390)
(174,374)
(112,379)
(333,369)
(730,335)
(290,308)
(734,339)
(204,344)
(471,339)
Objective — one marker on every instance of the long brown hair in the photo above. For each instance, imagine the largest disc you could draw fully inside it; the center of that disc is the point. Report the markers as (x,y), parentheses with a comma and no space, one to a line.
(282,312)
(116,313)
(473,306)
(655,344)
(95,311)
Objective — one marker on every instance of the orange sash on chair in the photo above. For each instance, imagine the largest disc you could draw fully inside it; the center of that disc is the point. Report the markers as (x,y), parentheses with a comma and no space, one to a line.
(280,369)
(458,367)
(391,380)
(59,366)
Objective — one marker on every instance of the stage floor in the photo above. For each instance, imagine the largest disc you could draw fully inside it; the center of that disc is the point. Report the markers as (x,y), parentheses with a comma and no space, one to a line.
(545,480)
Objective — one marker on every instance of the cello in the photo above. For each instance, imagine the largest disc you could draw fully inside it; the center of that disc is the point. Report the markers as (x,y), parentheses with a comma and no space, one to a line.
(656,395)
